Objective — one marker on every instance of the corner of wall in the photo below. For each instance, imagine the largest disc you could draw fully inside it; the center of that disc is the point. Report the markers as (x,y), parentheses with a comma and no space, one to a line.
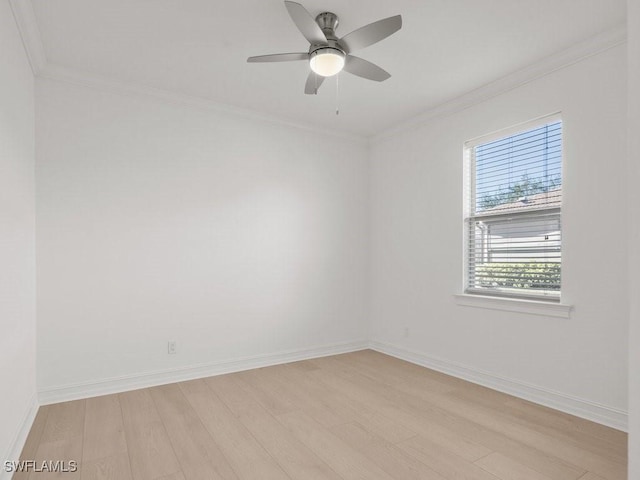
(20,436)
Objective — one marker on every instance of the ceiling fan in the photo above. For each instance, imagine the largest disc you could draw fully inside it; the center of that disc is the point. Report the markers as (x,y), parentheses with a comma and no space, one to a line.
(329,54)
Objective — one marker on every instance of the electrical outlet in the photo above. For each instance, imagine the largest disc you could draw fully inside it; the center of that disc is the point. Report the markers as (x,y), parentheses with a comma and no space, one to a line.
(171,347)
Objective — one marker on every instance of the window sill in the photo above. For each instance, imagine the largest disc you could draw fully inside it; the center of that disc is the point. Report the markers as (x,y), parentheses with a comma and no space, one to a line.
(532,307)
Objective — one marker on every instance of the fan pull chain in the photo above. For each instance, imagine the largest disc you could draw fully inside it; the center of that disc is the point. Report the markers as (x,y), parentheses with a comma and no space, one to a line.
(337,96)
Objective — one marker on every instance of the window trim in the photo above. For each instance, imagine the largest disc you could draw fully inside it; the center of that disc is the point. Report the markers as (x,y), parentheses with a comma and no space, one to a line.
(518,305)
(526,303)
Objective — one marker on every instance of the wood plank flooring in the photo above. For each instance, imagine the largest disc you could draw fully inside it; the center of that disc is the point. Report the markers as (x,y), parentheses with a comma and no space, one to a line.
(361,415)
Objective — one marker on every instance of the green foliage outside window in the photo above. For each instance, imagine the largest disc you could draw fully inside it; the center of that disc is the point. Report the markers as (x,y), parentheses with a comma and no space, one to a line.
(535,275)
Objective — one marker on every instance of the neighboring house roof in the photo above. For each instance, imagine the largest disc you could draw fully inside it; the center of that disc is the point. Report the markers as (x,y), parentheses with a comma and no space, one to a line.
(550,199)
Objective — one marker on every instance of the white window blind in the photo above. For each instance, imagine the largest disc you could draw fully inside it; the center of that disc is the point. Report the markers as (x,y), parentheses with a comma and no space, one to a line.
(513,213)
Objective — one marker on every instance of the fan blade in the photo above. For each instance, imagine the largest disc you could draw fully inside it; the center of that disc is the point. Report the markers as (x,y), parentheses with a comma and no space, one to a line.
(279,57)
(370,34)
(313,83)
(305,23)
(362,68)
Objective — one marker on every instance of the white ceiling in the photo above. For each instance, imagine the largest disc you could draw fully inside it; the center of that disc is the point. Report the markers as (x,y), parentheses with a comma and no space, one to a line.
(199,48)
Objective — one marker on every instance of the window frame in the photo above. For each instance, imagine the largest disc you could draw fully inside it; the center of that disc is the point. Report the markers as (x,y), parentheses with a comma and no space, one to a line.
(508,298)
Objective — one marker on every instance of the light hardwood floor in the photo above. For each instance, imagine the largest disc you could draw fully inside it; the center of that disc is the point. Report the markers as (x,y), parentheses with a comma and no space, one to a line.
(360,415)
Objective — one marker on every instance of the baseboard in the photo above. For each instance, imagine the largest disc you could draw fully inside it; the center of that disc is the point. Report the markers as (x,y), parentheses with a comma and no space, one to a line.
(20,437)
(150,379)
(560,401)
(579,407)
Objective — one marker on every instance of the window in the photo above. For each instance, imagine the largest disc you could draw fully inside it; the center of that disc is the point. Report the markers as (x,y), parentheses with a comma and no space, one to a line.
(513,240)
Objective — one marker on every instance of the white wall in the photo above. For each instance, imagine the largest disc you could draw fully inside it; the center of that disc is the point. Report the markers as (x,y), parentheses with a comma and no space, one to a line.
(417,244)
(17,238)
(161,222)
(633,31)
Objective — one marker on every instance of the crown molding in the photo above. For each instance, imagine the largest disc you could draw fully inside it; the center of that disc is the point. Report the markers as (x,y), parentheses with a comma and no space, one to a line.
(103,83)
(25,19)
(557,61)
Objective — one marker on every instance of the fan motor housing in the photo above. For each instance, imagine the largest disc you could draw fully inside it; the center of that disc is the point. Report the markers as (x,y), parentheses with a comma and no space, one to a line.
(328,22)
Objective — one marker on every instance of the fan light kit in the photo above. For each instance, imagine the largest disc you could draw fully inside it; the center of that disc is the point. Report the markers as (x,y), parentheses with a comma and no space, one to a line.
(326,61)
(328,55)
